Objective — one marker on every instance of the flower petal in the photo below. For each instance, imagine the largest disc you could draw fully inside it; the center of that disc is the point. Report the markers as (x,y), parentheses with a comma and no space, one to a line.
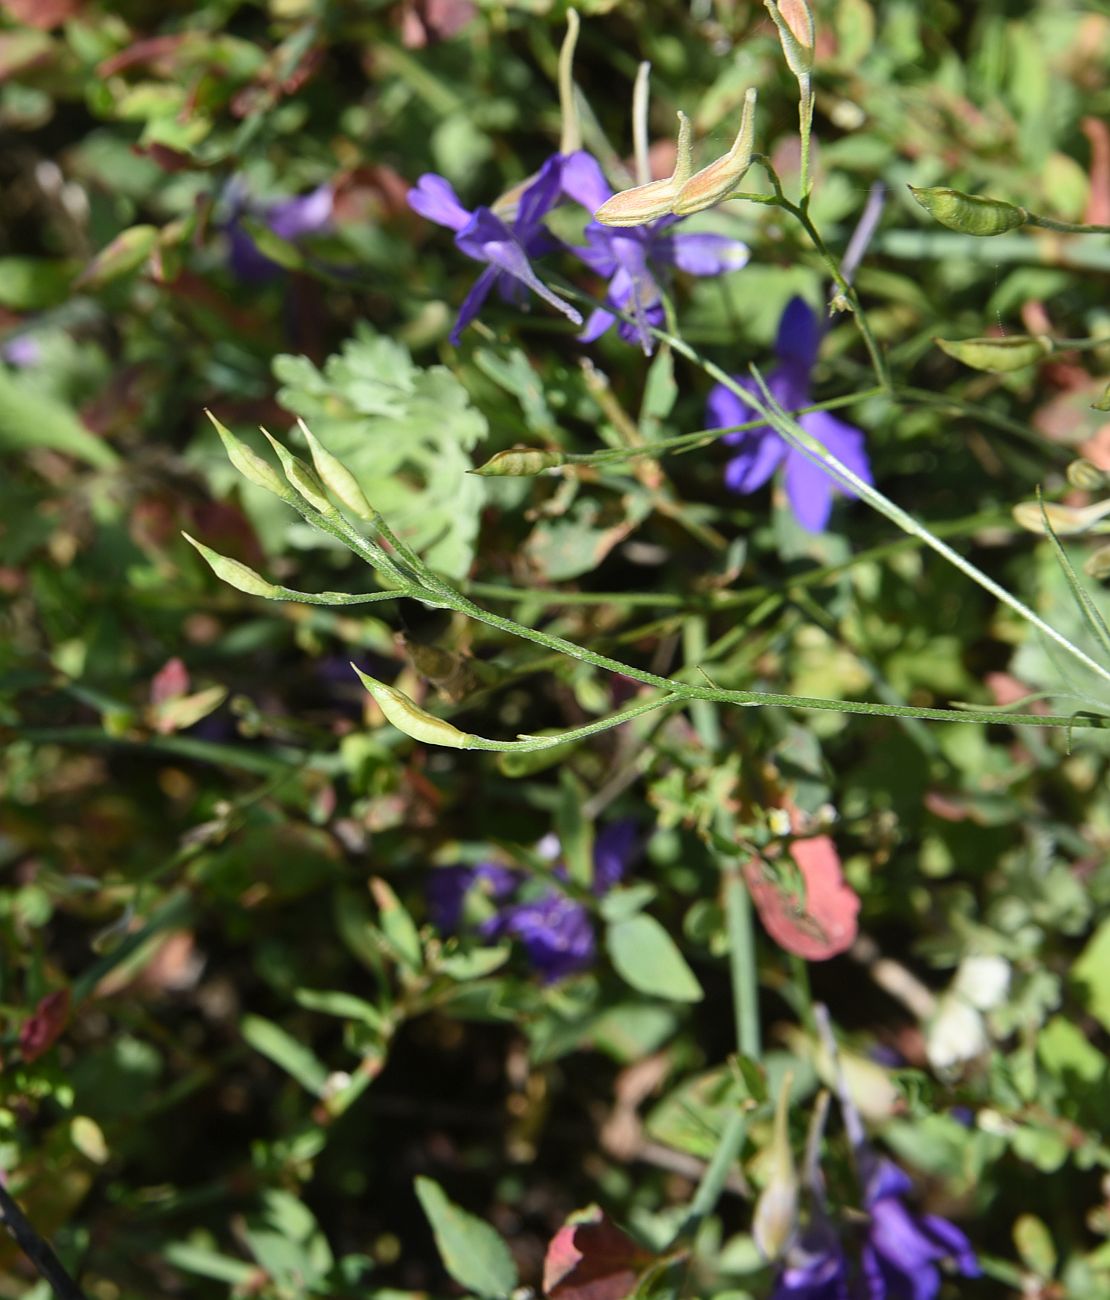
(584,181)
(613,850)
(472,303)
(724,409)
(597,323)
(306,214)
(761,452)
(953,1243)
(556,933)
(809,489)
(799,334)
(537,200)
(846,442)
(434,197)
(707,254)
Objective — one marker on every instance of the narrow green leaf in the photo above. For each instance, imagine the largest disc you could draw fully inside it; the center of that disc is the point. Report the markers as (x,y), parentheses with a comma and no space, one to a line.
(32,419)
(124,254)
(647,958)
(209,1263)
(285,1051)
(471,1251)
(1090,612)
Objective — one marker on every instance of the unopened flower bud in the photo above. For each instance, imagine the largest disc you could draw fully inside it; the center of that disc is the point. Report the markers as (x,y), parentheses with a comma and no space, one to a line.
(1086,475)
(1065,521)
(336,476)
(955,1034)
(409,717)
(717,181)
(1097,564)
(520,462)
(251,466)
(794,20)
(237,575)
(970,214)
(644,203)
(776,1212)
(301,477)
(998,355)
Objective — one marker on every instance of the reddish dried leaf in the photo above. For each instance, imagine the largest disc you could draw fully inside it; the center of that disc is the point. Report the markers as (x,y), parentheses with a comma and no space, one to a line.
(43,1027)
(1098,205)
(590,1258)
(43,14)
(822,925)
(169,682)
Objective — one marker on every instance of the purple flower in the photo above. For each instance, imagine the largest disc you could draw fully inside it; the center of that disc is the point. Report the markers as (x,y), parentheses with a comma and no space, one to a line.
(634,259)
(555,930)
(23,352)
(899,1255)
(291,219)
(448,888)
(504,245)
(809,487)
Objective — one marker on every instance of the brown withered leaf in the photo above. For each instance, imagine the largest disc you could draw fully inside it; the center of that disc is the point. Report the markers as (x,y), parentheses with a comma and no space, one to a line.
(44,1026)
(590,1258)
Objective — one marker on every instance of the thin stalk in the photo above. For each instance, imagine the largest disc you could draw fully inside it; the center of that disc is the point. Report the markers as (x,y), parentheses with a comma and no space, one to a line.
(640,95)
(48,1266)
(798,438)
(1065,227)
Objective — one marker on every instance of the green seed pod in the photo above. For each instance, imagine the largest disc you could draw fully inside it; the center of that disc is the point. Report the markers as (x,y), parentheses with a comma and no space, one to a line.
(520,462)
(717,181)
(1086,475)
(644,203)
(251,466)
(1103,403)
(970,214)
(414,721)
(776,1212)
(794,20)
(998,355)
(338,477)
(1097,564)
(235,574)
(301,477)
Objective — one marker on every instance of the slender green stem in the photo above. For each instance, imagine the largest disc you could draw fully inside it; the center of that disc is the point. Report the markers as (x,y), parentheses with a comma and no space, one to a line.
(797,437)
(1065,227)
(805,125)
(741,954)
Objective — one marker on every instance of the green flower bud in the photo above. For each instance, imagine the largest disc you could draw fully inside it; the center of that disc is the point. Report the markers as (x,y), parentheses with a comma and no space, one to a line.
(717,181)
(1097,564)
(338,477)
(409,717)
(794,20)
(520,462)
(644,203)
(1103,403)
(998,355)
(237,575)
(970,214)
(252,467)
(301,477)
(776,1211)
(1086,475)
(1065,521)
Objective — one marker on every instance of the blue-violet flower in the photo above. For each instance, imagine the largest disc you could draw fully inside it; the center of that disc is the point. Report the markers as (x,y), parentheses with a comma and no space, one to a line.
(291,219)
(809,487)
(504,245)
(634,259)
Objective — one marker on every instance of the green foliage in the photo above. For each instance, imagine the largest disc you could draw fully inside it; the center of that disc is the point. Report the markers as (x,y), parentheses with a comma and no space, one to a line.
(404,432)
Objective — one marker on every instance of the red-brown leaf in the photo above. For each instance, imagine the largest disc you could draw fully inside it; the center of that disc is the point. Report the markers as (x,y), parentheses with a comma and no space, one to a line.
(43,1027)
(590,1258)
(822,925)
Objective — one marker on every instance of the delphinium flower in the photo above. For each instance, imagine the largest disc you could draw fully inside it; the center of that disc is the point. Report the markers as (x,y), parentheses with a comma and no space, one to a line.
(505,243)
(637,260)
(291,219)
(809,486)
(900,1253)
(555,930)
(891,1252)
